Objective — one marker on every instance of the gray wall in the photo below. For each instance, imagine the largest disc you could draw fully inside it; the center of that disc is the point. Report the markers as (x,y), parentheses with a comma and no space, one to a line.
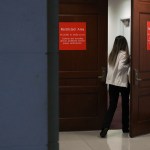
(23,75)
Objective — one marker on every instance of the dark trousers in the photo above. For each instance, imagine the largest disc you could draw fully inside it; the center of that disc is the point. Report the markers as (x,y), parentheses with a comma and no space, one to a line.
(113,97)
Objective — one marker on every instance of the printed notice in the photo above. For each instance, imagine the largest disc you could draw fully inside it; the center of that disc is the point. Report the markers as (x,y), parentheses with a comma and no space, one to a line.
(148,35)
(72,36)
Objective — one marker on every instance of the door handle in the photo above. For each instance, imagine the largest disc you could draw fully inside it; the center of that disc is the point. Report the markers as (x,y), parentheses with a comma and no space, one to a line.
(137,75)
(137,78)
(100,77)
(103,76)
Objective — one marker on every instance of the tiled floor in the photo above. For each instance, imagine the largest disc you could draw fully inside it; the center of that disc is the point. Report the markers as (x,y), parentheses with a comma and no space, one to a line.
(90,140)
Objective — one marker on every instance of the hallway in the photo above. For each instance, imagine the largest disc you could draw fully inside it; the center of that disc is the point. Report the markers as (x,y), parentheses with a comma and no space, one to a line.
(90,140)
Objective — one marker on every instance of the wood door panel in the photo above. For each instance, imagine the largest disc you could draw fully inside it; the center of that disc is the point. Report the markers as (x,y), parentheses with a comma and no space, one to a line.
(79,108)
(78,78)
(80,104)
(86,123)
(79,1)
(140,89)
(145,1)
(77,105)
(78,89)
(78,82)
(88,7)
(78,74)
(82,9)
(145,83)
(144,111)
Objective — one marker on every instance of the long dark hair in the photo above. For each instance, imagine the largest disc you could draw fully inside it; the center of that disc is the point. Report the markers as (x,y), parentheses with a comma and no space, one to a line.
(120,44)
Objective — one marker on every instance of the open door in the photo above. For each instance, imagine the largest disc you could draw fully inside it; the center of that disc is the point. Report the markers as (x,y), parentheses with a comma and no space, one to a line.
(140,89)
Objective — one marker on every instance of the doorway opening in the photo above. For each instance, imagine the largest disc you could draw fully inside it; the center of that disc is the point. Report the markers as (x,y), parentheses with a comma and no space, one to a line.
(119,23)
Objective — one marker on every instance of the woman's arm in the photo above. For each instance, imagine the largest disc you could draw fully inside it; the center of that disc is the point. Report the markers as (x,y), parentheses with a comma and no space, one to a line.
(124,61)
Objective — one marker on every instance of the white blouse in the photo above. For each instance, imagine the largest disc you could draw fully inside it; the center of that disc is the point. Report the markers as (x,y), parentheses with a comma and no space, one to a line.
(118,75)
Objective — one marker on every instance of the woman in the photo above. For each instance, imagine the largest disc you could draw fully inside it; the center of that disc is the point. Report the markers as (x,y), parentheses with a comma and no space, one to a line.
(117,79)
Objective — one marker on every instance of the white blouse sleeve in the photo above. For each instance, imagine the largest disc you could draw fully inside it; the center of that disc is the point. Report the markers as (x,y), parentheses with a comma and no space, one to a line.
(121,62)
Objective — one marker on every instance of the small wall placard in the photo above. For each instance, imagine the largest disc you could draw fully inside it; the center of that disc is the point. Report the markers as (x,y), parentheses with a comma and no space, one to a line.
(72,36)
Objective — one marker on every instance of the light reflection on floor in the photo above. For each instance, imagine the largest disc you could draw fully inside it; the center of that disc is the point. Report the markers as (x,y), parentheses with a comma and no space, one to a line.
(90,140)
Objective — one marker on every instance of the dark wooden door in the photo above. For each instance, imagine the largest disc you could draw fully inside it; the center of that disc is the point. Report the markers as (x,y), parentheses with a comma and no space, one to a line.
(140,91)
(83,95)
